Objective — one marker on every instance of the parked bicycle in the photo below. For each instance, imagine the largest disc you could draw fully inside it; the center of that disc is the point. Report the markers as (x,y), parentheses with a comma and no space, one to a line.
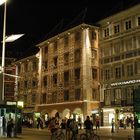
(58,135)
(89,136)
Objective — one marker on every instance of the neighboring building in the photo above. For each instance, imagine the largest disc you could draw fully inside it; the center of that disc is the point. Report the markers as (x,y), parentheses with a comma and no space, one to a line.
(119,43)
(27,83)
(9,81)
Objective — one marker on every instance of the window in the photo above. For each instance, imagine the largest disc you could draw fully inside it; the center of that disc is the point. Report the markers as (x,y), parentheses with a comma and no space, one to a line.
(66,76)
(139,21)
(116,48)
(117,96)
(129,95)
(130,71)
(45,81)
(128,25)
(66,95)
(94,73)
(19,69)
(46,50)
(26,67)
(106,32)
(117,72)
(66,58)
(9,88)
(54,97)
(95,95)
(55,62)
(34,83)
(33,98)
(66,42)
(107,74)
(34,66)
(77,74)
(107,97)
(55,79)
(116,29)
(94,53)
(55,47)
(44,98)
(46,64)
(77,94)
(77,55)
(77,36)
(93,35)
(25,84)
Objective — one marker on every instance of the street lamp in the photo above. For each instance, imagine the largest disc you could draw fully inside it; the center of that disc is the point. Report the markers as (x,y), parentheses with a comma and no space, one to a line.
(5,39)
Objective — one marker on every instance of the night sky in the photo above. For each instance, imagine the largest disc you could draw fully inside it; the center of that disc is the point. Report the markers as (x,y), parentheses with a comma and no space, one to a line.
(38,18)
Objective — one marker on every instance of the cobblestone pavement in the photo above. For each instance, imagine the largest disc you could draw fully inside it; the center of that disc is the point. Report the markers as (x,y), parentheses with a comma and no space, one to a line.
(44,134)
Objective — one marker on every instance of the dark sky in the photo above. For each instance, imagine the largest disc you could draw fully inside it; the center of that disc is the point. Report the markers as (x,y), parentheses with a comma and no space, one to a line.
(36,18)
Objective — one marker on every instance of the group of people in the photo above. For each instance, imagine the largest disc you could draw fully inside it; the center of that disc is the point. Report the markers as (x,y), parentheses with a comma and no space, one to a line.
(122,123)
(69,127)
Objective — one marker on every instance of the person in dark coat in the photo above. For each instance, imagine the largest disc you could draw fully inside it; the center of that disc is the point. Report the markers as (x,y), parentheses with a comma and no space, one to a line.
(10,125)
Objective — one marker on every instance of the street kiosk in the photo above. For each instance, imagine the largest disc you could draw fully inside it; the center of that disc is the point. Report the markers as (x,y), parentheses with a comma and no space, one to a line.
(10,110)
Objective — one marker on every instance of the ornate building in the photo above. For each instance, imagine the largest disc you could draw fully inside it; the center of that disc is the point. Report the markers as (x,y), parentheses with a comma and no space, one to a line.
(67,74)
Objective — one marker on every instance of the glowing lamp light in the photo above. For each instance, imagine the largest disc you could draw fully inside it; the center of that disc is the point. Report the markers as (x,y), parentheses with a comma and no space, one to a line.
(13,37)
(20,104)
(2,1)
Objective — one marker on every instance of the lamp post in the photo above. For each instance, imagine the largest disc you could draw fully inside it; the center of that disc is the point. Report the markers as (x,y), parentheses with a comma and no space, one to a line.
(10,38)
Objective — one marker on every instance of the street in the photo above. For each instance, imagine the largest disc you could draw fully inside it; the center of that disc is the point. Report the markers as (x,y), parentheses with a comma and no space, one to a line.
(44,134)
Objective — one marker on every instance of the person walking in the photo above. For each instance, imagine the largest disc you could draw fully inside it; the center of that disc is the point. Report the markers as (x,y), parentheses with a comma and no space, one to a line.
(112,125)
(97,123)
(10,125)
(117,125)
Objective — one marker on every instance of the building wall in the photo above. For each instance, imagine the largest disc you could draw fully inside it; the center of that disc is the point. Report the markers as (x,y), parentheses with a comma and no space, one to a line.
(67,63)
(120,46)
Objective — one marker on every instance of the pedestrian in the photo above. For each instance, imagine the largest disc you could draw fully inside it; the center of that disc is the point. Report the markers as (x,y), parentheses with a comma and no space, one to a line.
(112,125)
(79,122)
(10,126)
(97,122)
(117,125)
(74,129)
(63,126)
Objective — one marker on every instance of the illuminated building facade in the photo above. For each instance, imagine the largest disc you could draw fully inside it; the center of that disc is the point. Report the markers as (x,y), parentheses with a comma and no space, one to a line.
(119,43)
(69,73)
(27,83)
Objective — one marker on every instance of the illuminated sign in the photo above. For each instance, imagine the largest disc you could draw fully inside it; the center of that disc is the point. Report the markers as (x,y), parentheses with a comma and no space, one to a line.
(11,103)
(125,82)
